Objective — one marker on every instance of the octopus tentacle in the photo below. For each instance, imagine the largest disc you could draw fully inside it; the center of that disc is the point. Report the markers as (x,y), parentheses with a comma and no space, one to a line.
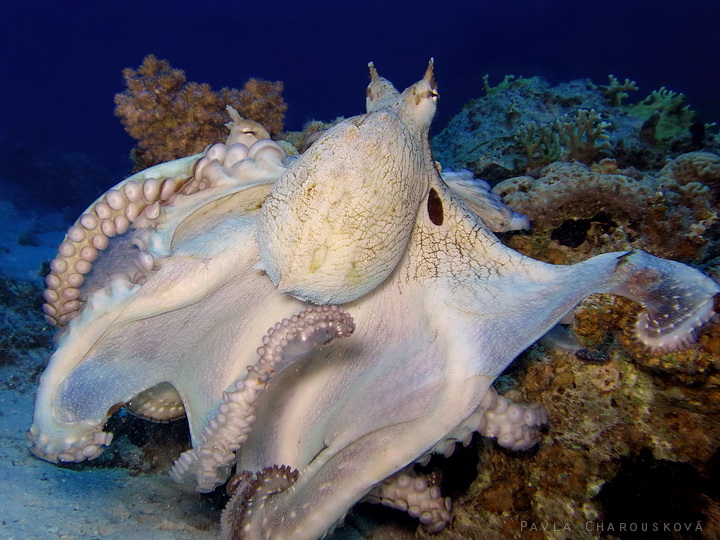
(247,154)
(88,446)
(489,207)
(514,425)
(161,403)
(416,494)
(226,165)
(677,300)
(137,203)
(250,494)
(134,201)
(288,341)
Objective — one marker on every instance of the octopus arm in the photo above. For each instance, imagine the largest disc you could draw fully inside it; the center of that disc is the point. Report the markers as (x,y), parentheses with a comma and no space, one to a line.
(416,374)
(130,338)
(500,302)
(676,300)
(400,375)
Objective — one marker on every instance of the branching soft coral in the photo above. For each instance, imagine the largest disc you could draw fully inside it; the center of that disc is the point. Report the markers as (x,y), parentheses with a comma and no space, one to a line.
(583,135)
(541,144)
(616,91)
(580,137)
(172,118)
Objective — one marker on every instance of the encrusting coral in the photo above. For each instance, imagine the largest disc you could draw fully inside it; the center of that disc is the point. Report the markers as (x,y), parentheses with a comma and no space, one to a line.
(578,210)
(171,117)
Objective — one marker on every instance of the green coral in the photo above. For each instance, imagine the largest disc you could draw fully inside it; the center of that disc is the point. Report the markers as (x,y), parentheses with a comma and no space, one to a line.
(509,81)
(616,91)
(580,137)
(666,114)
(541,144)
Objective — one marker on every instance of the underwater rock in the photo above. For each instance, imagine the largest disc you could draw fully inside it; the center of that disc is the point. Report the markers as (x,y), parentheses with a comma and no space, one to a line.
(23,330)
(578,210)
(490,136)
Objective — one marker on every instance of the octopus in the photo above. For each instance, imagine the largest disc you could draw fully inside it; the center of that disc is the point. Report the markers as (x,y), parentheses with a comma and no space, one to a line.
(324,322)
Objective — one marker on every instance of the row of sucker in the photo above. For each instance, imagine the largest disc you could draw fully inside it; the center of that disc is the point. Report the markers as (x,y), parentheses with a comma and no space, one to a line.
(161,403)
(251,494)
(129,204)
(225,164)
(89,446)
(664,333)
(137,204)
(415,494)
(286,342)
(516,426)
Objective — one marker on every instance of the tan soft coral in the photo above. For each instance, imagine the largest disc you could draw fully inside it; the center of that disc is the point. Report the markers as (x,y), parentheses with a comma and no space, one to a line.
(172,118)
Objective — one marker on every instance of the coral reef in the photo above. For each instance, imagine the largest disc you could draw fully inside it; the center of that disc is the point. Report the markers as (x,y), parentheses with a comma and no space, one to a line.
(520,124)
(638,429)
(580,137)
(24,330)
(171,117)
(578,210)
(615,91)
(633,435)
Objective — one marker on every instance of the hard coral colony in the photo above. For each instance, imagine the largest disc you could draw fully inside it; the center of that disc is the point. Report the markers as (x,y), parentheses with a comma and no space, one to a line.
(382,287)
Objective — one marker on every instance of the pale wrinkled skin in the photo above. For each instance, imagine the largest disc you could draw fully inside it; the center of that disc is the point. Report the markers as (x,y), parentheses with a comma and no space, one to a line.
(337,224)
(434,327)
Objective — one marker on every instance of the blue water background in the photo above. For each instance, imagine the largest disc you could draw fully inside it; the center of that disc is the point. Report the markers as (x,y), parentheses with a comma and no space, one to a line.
(61,64)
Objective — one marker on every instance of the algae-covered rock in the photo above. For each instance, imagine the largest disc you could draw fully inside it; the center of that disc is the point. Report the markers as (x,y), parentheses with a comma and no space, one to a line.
(525,122)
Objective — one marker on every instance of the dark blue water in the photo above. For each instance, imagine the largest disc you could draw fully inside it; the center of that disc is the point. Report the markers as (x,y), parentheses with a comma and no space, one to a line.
(61,62)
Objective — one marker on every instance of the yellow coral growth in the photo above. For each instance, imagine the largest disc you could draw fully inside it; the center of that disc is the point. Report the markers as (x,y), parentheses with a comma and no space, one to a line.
(172,118)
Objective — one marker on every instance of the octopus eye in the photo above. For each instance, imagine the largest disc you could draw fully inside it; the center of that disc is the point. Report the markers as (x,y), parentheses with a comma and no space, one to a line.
(249,131)
(432,94)
(435,207)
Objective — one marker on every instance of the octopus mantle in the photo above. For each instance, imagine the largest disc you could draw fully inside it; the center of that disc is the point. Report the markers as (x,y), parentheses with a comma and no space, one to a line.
(167,285)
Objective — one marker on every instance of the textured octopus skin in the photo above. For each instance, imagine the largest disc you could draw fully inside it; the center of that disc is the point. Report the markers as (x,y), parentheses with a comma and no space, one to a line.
(430,338)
